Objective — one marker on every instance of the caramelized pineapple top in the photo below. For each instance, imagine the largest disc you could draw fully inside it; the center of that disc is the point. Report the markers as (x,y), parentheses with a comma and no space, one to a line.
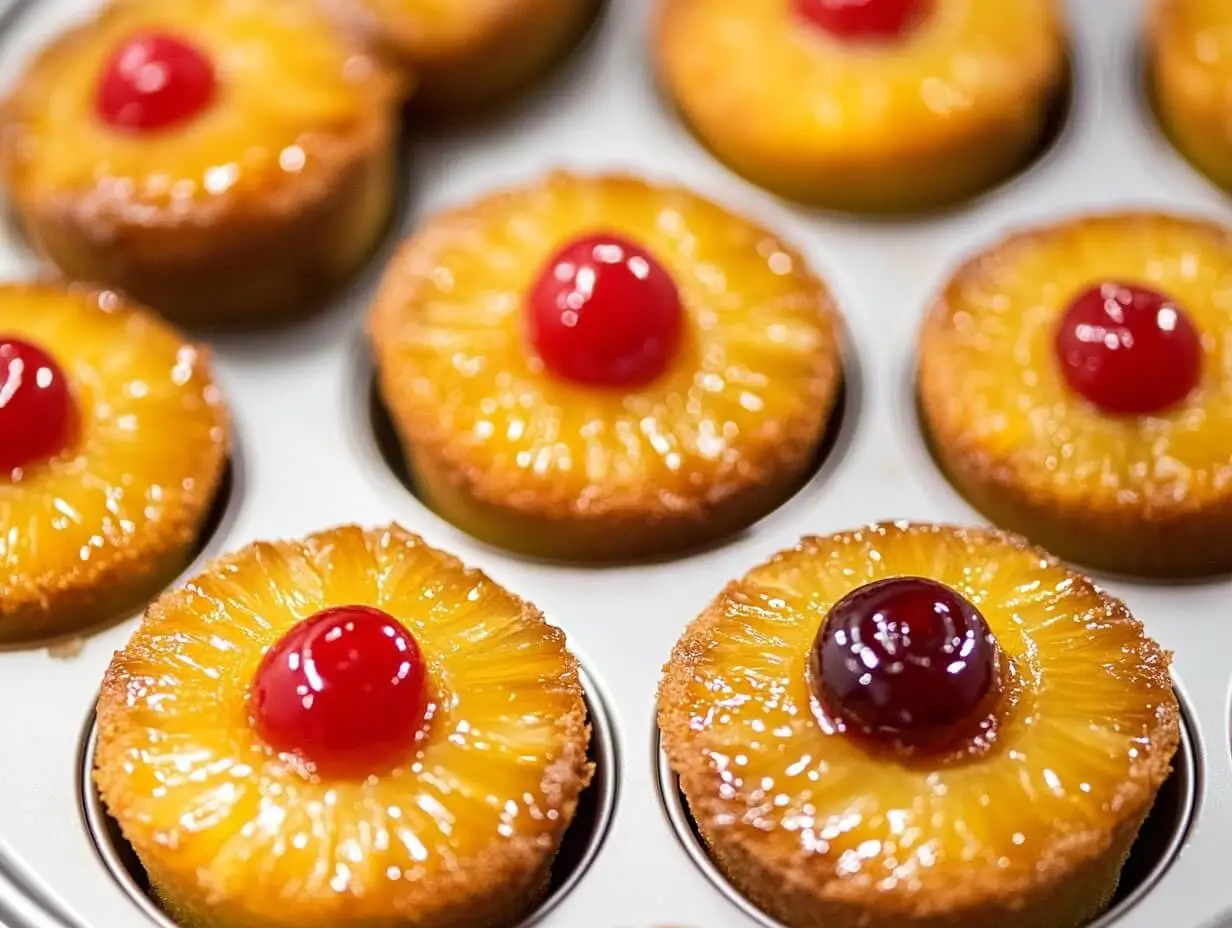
(990,375)
(144,450)
(290,96)
(787,78)
(750,383)
(1083,735)
(481,798)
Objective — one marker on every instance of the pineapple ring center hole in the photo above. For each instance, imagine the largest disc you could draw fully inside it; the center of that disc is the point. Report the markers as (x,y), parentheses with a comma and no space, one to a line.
(581,845)
(1160,840)
(836,439)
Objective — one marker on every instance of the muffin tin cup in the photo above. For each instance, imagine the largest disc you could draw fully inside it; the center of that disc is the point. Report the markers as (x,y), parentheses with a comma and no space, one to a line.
(302,405)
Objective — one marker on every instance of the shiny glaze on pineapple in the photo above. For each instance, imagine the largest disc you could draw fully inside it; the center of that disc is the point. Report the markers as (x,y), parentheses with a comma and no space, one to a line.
(1064,757)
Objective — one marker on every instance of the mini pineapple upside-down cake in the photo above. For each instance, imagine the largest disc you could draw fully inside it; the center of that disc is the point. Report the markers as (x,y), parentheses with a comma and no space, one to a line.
(596,368)
(113,446)
(348,730)
(468,55)
(223,161)
(1075,381)
(1188,47)
(918,726)
(866,105)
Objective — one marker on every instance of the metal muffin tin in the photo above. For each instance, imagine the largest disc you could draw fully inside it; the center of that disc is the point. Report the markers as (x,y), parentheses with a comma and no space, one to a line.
(313,450)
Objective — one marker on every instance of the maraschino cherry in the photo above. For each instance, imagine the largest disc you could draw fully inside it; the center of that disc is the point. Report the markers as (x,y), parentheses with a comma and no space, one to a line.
(344,689)
(605,313)
(861,20)
(154,81)
(1128,349)
(905,660)
(36,409)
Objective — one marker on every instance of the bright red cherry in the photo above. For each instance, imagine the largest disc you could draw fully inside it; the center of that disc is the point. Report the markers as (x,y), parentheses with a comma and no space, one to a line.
(1128,349)
(154,81)
(344,689)
(906,659)
(36,409)
(864,19)
(605,313)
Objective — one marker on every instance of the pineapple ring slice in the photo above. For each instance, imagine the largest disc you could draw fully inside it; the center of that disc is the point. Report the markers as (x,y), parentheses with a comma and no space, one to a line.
(466,55)
(232,833)
(535,464)
(93,533)
(818,831)
(1189,55)
(1148,495)
(952,108)
(244,213)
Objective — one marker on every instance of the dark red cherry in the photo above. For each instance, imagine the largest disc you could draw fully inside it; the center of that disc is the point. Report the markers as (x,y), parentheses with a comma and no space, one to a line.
(605,313)
(36,409)
(344,689)
(864,19)
(905,659)
(1128,349)
(154,81)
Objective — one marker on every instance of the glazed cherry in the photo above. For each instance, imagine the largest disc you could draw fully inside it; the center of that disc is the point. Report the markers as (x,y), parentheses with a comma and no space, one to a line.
(905,659)
(1129,349)
(344,689)
(36,408)
(605,313)
(154,81)
(864,19)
